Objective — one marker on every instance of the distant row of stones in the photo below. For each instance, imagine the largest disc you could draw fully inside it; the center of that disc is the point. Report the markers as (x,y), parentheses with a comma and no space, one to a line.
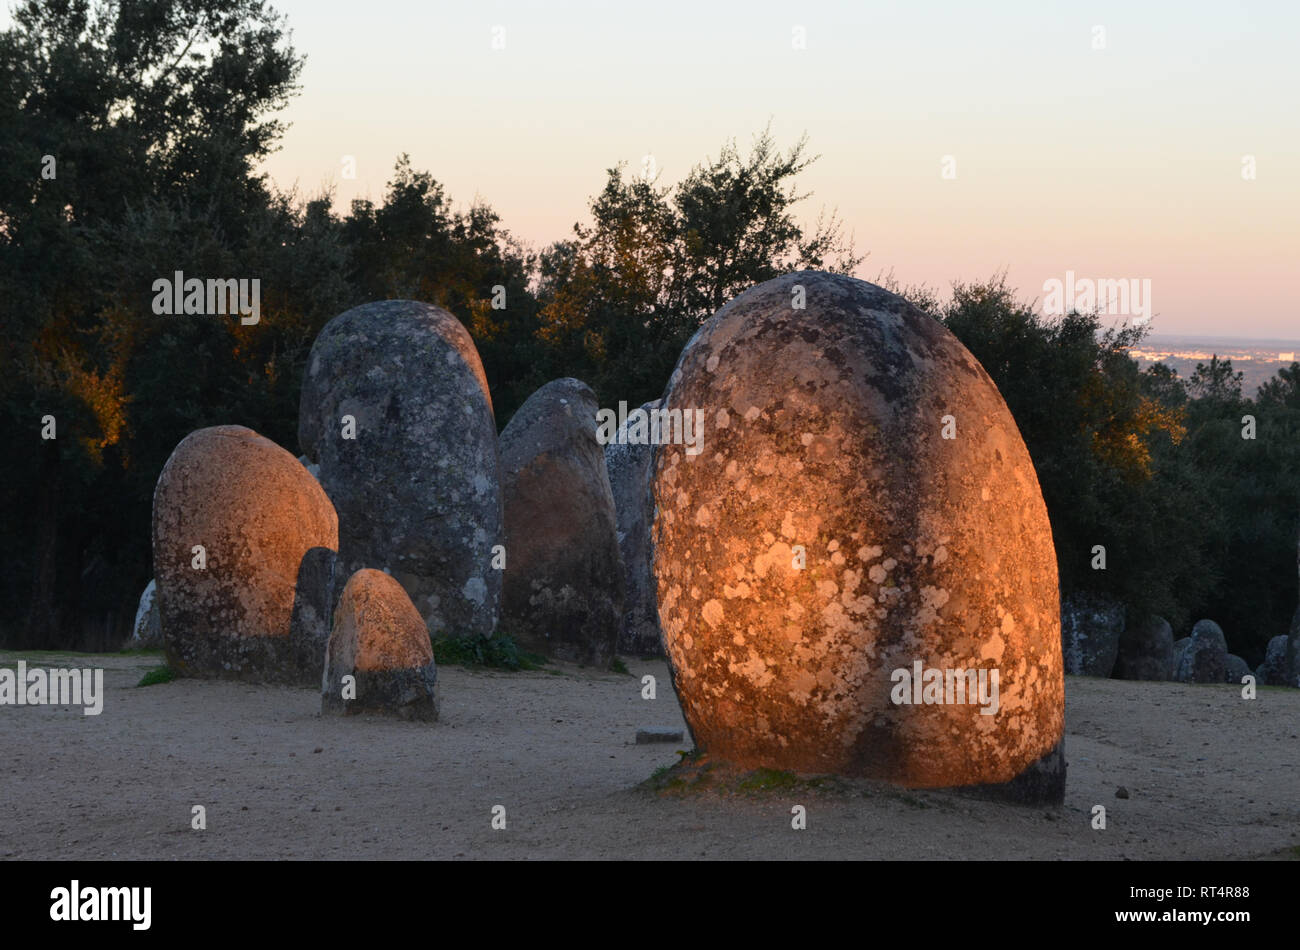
(1098,641)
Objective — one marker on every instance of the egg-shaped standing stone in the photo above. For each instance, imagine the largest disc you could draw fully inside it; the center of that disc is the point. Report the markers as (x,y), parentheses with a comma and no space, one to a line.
(859,516)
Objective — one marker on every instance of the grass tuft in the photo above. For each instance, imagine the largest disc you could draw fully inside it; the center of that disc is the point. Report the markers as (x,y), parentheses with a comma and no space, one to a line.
(159,674)
(497,652)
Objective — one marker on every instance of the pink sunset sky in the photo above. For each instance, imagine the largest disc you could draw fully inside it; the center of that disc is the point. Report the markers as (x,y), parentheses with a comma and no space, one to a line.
(1094,138)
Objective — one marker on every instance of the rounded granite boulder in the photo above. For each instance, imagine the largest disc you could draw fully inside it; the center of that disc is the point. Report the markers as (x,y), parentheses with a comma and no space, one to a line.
(235,517)
(396,412)
(861,536)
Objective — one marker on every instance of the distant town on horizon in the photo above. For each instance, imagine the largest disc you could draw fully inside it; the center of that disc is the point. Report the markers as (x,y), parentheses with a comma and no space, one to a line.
(1258,359)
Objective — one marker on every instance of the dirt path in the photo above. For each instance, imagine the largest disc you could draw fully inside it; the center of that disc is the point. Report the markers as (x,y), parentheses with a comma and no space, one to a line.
(1209,775)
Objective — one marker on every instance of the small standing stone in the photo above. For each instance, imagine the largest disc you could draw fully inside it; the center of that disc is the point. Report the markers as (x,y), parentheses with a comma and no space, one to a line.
(380,640)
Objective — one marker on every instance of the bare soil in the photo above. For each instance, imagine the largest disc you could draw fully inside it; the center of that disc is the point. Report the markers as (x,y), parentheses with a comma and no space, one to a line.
(1208,775)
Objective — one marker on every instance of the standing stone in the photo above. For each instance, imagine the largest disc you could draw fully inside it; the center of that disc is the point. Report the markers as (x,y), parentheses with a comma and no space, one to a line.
(417,485)
(316,593)
(256,513)
(1091,628)
(563,593)
(146,632)
(1272,672)
(380,641)
(310,466)
(628,463)
(1234,668)
(1205,658)
(1146,651)
(1292,669)
(829,537)
(1293,652)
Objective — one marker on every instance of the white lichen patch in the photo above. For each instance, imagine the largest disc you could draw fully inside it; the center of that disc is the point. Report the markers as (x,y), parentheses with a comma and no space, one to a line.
(712,612)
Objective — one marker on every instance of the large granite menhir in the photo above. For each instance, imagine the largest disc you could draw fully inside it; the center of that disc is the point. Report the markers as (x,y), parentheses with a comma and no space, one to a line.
(828,536)
(563,592)
(413,471)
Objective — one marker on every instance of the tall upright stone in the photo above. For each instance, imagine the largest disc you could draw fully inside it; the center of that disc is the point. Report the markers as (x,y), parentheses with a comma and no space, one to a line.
(627,458)
(1205,658)
(235,517)
(863,504)
(1146,651)
(146,632)
(563,591)
(1272,672)
(396,412)
(1292,665)
(1092,626)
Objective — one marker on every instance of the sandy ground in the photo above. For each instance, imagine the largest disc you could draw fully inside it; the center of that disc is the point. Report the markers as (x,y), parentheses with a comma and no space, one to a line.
(1209,775)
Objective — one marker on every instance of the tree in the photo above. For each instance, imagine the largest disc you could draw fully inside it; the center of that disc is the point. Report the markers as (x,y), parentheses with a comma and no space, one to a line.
(112,115)
(1103,446)
(1215,381)
(417,246)
(623,297)
(1282,390)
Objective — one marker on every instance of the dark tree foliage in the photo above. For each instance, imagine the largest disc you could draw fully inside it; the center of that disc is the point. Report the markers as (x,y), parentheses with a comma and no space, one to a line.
(1253,489)
(1094,435)
(153,116)
(623,297)
(1196,520)
(156,114)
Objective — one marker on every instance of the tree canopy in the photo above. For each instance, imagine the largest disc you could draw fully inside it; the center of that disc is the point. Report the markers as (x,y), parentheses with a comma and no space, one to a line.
(132,134)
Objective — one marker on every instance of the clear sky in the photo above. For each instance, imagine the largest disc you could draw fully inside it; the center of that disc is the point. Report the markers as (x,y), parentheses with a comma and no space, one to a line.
(1119,162)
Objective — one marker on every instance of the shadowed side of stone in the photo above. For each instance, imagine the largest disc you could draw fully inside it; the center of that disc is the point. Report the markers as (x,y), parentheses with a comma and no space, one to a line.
(1272,672)
(1146,651)
(314,599)
(379,658)
(1042,783)
(1292,664)
(562,593)
(1205,657)
(1234,668)
(146,632)
(1092,626)
(628,460)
